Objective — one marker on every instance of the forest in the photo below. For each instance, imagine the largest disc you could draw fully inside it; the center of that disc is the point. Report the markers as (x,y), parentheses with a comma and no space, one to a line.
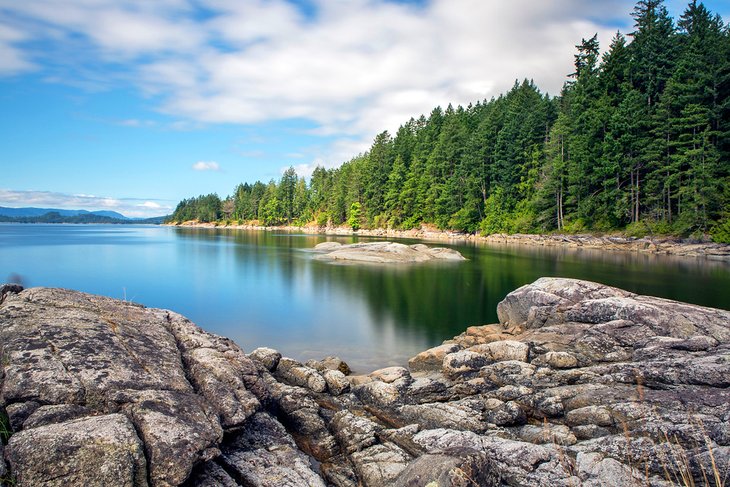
(637,141)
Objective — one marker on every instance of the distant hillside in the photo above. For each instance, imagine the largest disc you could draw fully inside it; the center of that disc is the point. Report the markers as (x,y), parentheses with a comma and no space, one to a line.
(51,215)
(37,212)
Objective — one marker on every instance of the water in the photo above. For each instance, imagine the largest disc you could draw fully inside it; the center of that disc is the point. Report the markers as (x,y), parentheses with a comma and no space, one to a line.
(265,289)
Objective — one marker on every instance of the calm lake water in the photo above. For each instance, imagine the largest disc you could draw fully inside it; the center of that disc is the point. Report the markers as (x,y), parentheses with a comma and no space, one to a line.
(265,289)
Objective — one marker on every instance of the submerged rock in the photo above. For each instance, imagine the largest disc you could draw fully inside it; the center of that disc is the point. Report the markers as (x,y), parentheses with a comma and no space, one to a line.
(579,384)
(384,252)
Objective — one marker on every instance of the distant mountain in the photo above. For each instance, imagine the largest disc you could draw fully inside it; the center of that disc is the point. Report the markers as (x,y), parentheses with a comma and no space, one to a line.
(35,212)
(54,215)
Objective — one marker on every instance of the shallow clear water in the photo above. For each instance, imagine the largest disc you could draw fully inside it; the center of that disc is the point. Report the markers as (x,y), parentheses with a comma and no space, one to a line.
(265,289)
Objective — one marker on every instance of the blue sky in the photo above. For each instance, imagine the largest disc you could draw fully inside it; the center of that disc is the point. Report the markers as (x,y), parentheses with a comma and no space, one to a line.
(132,105)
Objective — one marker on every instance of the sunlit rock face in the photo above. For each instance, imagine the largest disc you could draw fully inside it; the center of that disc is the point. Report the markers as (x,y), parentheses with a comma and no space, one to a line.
(579,384)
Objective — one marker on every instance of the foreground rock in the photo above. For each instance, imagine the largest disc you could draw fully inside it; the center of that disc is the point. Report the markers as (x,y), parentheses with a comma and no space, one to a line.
(384,252)
(579,384)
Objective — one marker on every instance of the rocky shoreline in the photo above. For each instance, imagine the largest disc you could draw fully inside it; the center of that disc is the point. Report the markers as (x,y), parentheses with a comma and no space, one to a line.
(578,384)
(649,245)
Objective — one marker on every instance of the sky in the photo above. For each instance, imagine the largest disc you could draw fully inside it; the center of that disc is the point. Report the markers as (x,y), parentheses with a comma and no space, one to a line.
(132,105)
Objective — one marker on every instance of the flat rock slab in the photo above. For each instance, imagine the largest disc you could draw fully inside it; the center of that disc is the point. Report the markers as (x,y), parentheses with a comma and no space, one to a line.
(384,253)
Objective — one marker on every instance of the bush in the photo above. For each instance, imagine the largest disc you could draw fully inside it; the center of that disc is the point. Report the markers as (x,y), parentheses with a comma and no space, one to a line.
(721,232)
(495,213)
(465,220)
(637,229)
(353,220)
(322,219)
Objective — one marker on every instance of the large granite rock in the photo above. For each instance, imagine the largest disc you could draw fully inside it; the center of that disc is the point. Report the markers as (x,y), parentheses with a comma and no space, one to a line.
(105,392)
(579,384)
(384,252)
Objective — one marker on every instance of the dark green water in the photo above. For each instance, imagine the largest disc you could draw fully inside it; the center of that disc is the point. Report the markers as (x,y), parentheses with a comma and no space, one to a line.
(264,288)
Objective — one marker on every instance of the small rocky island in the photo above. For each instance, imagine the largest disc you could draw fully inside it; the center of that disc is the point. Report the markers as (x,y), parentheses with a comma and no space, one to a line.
(579,384)
(384,252)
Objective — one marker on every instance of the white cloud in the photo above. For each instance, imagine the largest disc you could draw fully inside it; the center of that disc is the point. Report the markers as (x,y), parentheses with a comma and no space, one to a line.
(130,207)
(352,68)
(206,166)
(12,59)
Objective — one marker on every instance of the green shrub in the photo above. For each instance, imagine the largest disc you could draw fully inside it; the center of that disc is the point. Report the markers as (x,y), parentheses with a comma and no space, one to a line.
(322,219)
(637,229)
(353,220)
(721,232)
(575,226)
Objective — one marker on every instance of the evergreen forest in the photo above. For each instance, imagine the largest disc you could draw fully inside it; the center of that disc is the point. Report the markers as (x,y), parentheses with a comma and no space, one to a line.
(637,141)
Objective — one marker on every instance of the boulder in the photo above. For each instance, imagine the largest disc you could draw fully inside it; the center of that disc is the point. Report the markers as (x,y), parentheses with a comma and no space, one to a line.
(95,451)
(268,357)
(561,360)
(431,359)
(337,382)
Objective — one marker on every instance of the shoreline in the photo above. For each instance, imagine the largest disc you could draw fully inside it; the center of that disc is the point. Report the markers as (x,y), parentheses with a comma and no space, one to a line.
(576,378)
(649,245)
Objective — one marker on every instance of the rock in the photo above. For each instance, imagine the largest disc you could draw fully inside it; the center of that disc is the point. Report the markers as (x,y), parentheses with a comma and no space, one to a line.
(354,433)
(431,359)
(547,433)
(179,430)
(211,474)
(456,468)
(384,252)
(510,372)
(328,246)
(589,431)
(98,450)
(428,389)
(58,413)
(105,349)
(19,412)
(380,465)
(606,386)
(561,360)
(3,467)
(463,364)
(335,363)
(459,415)
(589,415)
(302,415)
(378,393)
(268,357)
(506,414)
(503,350)
(595,470)
(262,453)
(297,374)
(220,371)
(337,382)
(391,374)
(6,289)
